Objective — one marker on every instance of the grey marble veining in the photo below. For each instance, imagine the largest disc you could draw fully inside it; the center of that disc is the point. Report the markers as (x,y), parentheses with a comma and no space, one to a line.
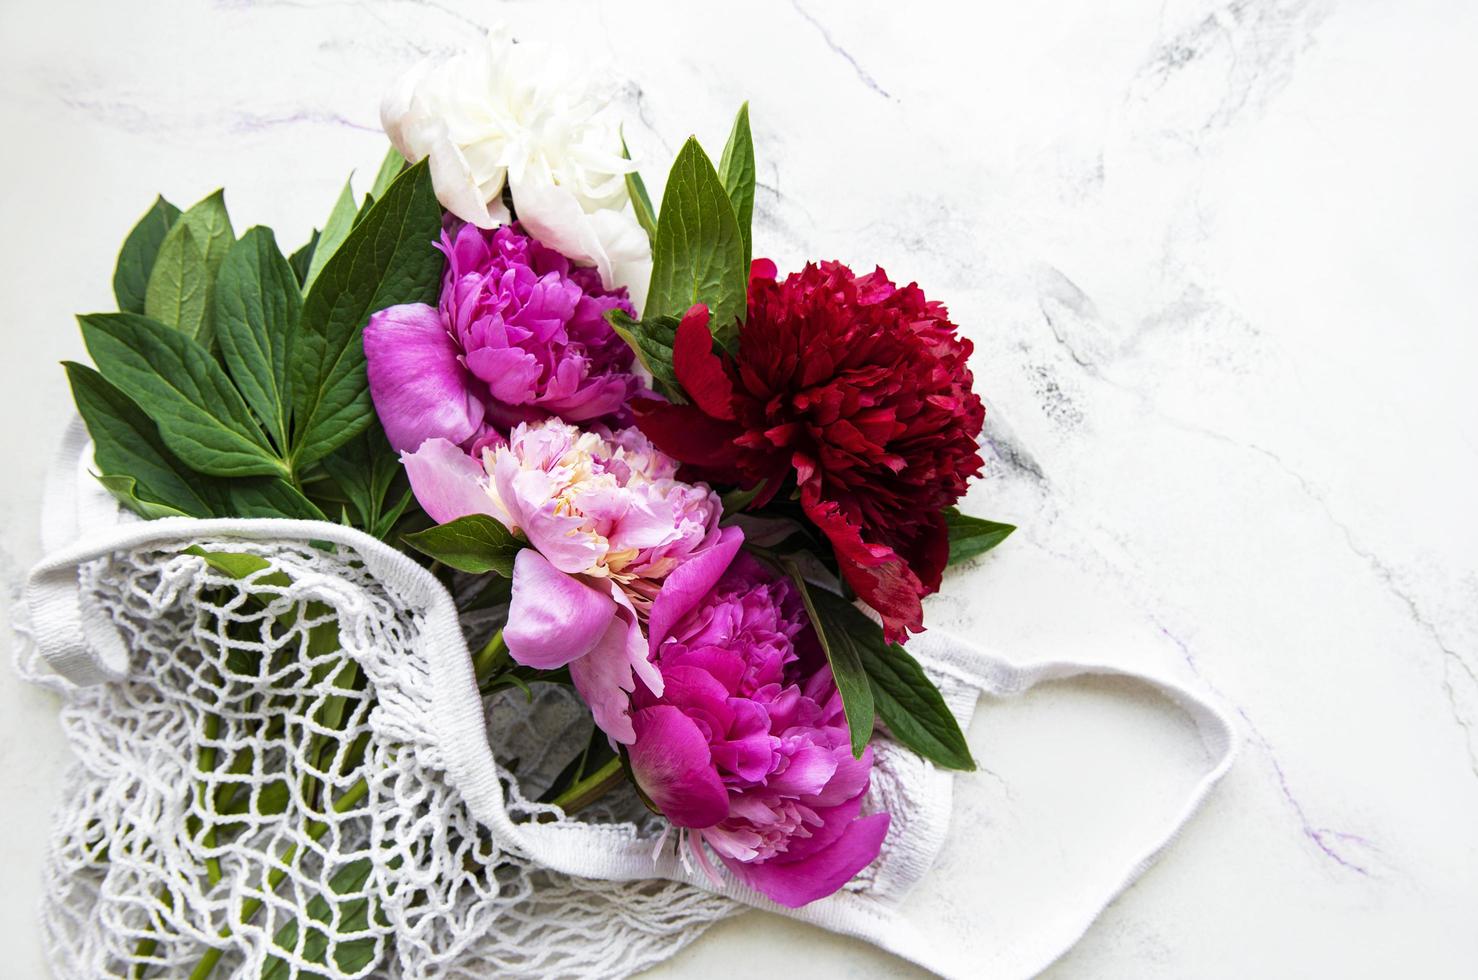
(1218,263)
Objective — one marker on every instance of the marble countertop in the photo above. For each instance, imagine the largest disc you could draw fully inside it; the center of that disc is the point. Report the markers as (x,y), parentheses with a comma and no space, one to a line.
(1219,263)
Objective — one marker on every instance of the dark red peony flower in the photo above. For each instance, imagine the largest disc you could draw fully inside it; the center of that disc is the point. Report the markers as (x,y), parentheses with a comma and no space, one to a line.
(860,389)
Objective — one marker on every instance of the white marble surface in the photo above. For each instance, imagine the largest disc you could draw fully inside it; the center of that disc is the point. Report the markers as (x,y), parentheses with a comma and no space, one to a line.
(1218,261)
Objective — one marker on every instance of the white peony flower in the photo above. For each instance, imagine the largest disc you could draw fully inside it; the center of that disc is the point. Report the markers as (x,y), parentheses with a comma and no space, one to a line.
(520,115)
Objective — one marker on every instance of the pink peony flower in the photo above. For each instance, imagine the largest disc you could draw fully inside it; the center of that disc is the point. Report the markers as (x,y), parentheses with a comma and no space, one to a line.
(613,537)
(746,744)
(519,335)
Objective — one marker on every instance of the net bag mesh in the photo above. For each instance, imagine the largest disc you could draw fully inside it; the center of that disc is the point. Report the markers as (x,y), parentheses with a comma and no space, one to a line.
(267,785)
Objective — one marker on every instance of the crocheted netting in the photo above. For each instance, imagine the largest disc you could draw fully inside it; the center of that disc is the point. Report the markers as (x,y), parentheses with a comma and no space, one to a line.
(218,791)
(272,750)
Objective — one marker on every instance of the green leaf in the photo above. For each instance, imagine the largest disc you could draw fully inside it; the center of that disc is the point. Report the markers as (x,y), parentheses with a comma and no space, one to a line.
(497,592)
(146,476)
(736,167)
(698,251)
(911,706)
(364,469)
(272,799)
(390,168)
(340,671)
(842,640)
(136,259)
(391,516)
(651,338)
(971,536)
(327,917)
(340,222)
(364,209)
(131,455)
(270,497)
(476,543)
(257,307)
(183,277)
(345,675)
(596,754)
(641,201)
(125,489)
(389,258)
(737,499)
(900,692)
(237,564)
(303,257)
(243,565)
(201,417)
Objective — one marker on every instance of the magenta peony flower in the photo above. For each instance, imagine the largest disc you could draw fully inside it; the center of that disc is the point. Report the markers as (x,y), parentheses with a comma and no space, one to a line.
(746,745)
(611,532)
(519,335)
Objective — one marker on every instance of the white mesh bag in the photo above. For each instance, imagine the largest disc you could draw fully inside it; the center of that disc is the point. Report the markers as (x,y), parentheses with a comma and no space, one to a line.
(209,804)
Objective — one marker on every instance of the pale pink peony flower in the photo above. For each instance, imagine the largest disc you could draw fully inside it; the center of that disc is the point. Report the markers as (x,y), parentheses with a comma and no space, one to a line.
(613,536)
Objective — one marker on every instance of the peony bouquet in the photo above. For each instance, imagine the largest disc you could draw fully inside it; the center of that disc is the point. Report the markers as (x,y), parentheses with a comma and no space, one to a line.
(706,496)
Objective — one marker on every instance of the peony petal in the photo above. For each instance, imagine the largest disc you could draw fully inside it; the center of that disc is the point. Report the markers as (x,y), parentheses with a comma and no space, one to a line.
(560,538)
(834,823)
(629,250)
(746,749)
(639,521)
(553,618)
(809,769)
(636,645)
(458,189)
(672,765)
(701,372)
(798,883)
(528,493)
(418,385)
(698,693)
(690,582)
(848,781)
(604,675)
(468,252)
(599,678)
(597,397)
(447,482)
(686,434)
(875,572)
(397,115)
(726,667)
(511,374)
(553,215)
(928,553)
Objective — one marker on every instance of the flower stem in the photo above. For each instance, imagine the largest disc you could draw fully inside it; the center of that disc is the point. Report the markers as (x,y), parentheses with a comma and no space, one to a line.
(486,662)
(586,791)
(580,795)
(314,829)
(492,657)
(207,763)
(148,944)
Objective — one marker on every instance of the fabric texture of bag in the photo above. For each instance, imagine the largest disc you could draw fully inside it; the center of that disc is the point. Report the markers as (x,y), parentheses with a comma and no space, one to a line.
(211,799)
